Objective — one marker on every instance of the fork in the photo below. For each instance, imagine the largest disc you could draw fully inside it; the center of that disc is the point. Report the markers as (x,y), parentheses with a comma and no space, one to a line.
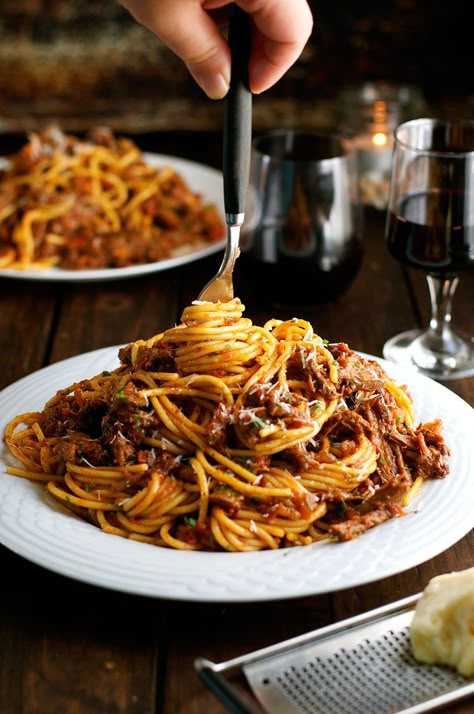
(237,141)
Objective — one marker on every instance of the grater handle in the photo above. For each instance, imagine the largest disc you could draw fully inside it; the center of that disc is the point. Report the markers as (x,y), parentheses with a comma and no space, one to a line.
(218,684)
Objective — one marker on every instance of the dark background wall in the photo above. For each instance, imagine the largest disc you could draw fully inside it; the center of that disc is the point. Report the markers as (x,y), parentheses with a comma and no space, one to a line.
(83,62)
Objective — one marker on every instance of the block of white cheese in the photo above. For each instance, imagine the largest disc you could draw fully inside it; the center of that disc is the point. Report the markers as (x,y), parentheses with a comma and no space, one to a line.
(442,629)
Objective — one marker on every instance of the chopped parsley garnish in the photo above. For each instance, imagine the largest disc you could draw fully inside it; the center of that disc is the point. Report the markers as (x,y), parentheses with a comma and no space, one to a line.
(316,408)
(84,460)
(256,421)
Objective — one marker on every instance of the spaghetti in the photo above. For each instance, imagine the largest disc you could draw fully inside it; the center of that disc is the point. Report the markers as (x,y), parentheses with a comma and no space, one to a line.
(96,203)
(222,435)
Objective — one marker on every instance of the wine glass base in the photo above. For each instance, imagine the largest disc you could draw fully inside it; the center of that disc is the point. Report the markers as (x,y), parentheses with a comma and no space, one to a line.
(406,349)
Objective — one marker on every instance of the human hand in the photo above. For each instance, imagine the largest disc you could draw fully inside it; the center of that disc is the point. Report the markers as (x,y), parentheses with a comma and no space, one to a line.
(280,30)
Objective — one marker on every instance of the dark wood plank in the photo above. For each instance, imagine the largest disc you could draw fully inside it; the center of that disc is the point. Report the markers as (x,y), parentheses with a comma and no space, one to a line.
(70,647)
(26,324)
(220,632)
(98,315)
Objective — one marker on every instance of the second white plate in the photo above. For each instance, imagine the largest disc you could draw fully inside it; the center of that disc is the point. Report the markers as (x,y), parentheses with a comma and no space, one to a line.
(201,179)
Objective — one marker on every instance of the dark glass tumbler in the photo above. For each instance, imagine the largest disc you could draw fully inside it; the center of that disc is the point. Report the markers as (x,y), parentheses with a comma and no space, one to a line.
(302,238)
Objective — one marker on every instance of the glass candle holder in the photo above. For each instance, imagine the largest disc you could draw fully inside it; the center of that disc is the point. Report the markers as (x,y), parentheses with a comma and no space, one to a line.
(368,115)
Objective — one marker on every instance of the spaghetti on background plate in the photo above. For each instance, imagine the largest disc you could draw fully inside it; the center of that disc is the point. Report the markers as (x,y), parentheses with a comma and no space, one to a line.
(87,204)
(221,435)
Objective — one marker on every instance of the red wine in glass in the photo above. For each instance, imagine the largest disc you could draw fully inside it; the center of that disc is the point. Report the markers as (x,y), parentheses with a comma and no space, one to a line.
(428,232)
(430,227)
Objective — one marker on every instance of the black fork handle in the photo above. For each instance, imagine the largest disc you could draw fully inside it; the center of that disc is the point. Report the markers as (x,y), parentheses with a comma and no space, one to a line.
(237,116)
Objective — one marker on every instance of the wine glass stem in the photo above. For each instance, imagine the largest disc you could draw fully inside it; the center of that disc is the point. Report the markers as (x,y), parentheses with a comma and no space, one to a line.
(440,334)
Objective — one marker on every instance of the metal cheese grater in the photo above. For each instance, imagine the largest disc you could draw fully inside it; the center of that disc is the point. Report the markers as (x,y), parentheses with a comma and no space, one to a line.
(362,665)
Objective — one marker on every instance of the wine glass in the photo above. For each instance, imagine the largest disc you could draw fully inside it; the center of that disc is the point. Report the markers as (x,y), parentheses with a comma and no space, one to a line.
(430,226)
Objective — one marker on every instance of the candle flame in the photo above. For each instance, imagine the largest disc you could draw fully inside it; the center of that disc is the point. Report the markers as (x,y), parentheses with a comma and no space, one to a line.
(379,139)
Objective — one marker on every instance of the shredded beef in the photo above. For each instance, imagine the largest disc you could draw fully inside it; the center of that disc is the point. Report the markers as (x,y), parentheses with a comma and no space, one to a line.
(355,526)
(300,457)
(166,463)
(77,448)
(348,425)
(119,445)
(157,358)
(67,416)
(424,451)
(314,373)
(230,501)
(356,374)
(266,401)
(218,427)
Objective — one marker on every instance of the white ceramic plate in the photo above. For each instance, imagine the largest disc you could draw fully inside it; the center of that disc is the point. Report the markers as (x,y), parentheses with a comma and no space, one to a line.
(200,178)
(36,527)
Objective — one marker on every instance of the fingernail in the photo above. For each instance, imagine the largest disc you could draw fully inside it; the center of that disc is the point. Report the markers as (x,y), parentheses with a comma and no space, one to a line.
(259,77)
(263,76)
(216,86)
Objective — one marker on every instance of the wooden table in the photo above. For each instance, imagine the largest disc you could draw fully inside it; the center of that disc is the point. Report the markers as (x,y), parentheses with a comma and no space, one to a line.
(71,648)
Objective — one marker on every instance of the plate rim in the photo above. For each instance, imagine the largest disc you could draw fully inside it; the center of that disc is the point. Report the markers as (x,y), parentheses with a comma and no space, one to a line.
(190,567)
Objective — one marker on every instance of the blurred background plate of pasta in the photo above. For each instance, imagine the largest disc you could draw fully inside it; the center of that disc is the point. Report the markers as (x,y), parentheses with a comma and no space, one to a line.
(130,213)
(39,529)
